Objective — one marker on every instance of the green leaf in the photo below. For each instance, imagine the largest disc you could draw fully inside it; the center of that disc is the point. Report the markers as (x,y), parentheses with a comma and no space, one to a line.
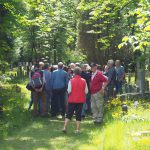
(125,39)
(120,46)
(147,28)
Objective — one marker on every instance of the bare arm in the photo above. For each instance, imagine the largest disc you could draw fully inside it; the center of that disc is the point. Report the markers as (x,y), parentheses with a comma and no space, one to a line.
(86,89)
(69,87)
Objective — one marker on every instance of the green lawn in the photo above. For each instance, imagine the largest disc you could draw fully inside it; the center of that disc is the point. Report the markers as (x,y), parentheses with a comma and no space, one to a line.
(116,133)
(45,134)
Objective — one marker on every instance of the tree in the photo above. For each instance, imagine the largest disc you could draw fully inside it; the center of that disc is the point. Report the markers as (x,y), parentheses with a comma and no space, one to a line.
(105,24)
(9,12)
(49,29)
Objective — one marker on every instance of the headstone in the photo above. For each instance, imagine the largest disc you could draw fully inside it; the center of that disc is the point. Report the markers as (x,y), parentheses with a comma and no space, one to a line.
(124,109)
(136,103)
(28,70)
(146,85)
(27,63)
(141,76)
(30,64)
(24,64)
(129,77)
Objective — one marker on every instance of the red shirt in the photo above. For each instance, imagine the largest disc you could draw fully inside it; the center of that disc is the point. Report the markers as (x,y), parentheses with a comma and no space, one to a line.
(97,82)
(78,86)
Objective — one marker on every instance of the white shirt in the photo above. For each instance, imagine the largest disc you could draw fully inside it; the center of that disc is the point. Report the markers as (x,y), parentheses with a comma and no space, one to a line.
(94,74)
(69,88)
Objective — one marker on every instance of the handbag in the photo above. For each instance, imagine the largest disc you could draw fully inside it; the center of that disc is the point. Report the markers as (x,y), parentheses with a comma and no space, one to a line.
(29,87)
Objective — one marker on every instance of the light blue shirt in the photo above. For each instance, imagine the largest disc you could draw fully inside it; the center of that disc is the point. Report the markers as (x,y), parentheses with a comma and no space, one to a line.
(59,79)
(47,76)
(119,72)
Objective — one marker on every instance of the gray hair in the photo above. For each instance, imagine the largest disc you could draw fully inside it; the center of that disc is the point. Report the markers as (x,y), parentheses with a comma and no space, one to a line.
(60,65)
(77,71)
(41,63)
(110,61)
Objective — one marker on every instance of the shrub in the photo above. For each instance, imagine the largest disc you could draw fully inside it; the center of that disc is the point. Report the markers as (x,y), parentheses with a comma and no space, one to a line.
(14,114)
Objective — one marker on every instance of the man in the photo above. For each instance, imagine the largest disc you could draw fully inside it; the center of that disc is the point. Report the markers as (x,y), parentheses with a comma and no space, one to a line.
(41,65)
(59,86)
(120,74)
(97,86)
(32,67)
(38,84)
(77,64)
(32,70)
(85,75)
(77,89)
(111,74)
(72,66)
(47,75)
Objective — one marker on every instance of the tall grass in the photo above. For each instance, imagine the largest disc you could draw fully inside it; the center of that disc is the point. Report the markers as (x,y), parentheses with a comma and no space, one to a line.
(14,113)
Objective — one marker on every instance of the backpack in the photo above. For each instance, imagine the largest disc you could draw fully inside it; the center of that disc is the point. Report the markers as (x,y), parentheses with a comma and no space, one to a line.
(37,80)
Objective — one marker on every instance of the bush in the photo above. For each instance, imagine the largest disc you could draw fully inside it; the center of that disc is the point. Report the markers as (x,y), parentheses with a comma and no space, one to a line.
(14,114)
(136,110)
(3,66)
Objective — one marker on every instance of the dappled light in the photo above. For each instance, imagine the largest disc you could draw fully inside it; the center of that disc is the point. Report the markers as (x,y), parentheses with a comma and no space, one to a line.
(74,75)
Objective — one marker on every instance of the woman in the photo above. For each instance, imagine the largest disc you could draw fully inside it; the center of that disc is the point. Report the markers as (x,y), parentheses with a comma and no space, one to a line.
(77,88)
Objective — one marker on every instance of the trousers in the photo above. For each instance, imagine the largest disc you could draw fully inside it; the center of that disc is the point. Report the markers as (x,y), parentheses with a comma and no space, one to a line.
(97,102)
(36,97)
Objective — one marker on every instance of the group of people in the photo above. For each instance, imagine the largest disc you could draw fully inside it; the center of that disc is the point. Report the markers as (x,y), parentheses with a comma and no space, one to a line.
(74,89)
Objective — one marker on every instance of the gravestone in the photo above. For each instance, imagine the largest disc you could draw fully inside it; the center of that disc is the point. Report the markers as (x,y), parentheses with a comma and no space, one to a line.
(146,85)
(27,68)
(141,76)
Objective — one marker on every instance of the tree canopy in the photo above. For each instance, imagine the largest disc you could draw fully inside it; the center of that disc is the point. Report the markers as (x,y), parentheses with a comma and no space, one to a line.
(73,30)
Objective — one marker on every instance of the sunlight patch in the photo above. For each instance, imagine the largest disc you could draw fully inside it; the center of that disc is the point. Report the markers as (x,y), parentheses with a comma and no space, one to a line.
(41,148)
(25,138)
(37,126)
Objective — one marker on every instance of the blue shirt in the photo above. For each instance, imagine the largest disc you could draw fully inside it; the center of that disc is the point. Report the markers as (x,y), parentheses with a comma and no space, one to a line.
(59,79)
(47,75)
(119,72)
(111,74)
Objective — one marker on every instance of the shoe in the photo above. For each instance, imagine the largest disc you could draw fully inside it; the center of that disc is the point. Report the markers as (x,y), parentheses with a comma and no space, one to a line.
(83,116)
(64,131)
(36,114)
(59,117)
(44,115)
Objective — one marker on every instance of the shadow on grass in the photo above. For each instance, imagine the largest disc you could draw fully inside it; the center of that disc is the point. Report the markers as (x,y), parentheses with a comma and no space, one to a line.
(45,133)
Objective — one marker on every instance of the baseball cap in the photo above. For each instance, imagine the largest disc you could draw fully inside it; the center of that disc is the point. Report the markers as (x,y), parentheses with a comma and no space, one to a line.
(93,65)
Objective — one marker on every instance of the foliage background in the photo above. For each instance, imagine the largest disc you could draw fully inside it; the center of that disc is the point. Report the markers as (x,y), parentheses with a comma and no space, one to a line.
(58,29)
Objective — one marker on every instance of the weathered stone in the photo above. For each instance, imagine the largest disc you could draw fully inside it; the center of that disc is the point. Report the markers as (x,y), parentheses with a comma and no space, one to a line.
(141,76)
(133,96)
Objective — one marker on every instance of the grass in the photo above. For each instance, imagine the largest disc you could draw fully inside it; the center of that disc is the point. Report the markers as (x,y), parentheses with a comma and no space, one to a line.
(45,134)
(22,131)
(14,107)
